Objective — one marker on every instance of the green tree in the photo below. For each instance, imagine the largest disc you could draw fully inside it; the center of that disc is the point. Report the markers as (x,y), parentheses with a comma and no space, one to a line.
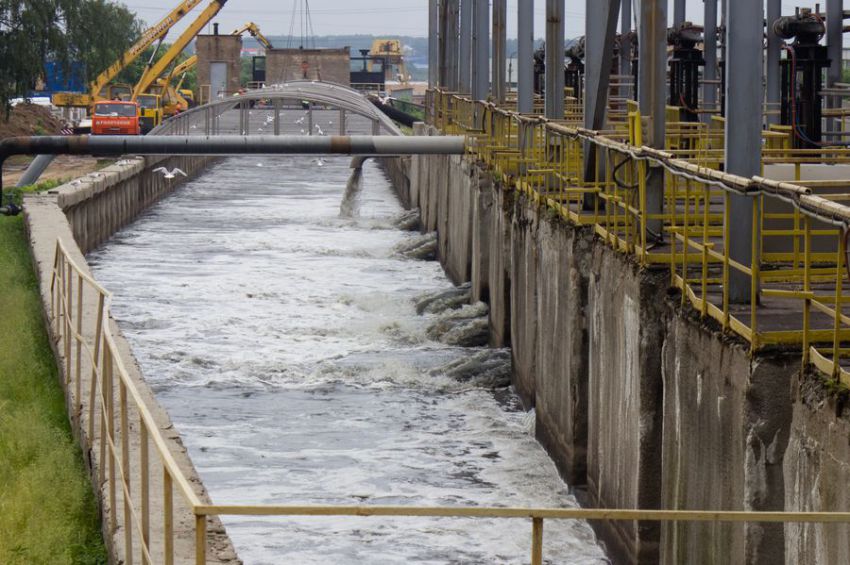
(33,32)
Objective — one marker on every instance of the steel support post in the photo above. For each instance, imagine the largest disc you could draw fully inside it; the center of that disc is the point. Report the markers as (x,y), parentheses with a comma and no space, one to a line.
(480,49)
(554,90)
(652,98)
(451,8)
(35,170)
(500,60)
(525,55)
(465,47)
(834,48)
(679,12)
(600,29)
(625,69)
(744,95)
(709,75)
(433,43)
(277,105)
(774,52)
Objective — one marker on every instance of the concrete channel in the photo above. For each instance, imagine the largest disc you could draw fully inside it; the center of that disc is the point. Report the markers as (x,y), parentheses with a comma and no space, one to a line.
(639,404)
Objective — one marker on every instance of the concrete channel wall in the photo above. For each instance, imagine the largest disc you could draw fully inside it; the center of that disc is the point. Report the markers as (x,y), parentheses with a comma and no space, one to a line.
(84,213)
(639,402)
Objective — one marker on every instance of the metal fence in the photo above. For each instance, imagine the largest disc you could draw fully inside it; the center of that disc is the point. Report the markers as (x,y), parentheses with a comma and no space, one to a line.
(542,160)
(799,233)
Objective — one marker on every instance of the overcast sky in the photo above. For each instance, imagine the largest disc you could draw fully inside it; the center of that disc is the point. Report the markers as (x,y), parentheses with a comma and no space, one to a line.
(397,17)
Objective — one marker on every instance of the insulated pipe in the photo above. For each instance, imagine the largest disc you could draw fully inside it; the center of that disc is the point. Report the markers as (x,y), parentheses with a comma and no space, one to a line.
(110,146)
(35,170)
(554,92)
(679,15)
(744,96)
(525,56)
(499,73)
(480,50)
(625,69)
(774,53)
(652,98)
(834,45)
(465,47)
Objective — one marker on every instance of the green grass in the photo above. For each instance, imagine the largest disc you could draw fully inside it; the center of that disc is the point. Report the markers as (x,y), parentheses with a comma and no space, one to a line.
(47,508)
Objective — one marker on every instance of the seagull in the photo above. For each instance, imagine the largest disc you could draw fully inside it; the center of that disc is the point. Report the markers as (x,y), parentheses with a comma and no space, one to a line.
(76,182)
(259,164)
(302,130)
(123,162)
(95,175)
(169,174)
(320,162)
(300,120)
(319,130)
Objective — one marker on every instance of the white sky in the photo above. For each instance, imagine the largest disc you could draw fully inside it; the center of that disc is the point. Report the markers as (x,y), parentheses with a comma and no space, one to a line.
(398,17)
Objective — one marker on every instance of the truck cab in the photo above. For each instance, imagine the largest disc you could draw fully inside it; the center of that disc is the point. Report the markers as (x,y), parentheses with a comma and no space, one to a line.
(115,117)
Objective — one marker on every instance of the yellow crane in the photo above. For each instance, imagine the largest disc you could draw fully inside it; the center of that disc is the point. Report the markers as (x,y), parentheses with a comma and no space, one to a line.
(177,47)
(149,37)
(390,51)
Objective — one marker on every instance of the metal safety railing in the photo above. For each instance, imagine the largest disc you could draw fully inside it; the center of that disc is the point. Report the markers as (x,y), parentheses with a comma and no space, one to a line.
(136,471)
(799,230)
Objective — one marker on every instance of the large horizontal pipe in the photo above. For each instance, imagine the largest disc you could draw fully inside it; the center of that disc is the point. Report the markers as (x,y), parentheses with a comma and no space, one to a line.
(108,145)
(111,146)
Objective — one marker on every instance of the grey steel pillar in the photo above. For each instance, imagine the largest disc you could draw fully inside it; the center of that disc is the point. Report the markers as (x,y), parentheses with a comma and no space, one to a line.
(277,104)
(499,72)
(525,57)
(652,97)
(709,88)
(743,128)
(465,47)
(451,8)
(480,49)
(601,29)
(834,44)
(774,52)
(679,12)
(433,43)
(342,121)
(625,69)
(554,90)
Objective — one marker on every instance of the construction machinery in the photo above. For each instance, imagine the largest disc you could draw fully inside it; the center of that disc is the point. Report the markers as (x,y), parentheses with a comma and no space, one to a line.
(100,87)
(390,52)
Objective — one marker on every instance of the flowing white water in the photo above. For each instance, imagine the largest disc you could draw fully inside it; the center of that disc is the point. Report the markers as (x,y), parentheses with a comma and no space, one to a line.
(285,343)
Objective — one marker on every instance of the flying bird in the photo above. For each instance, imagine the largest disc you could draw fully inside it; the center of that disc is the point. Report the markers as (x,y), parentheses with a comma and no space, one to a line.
(169,174)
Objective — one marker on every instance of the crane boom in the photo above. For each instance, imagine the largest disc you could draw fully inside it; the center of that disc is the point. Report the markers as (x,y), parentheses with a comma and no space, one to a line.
(149,36)
(178,46)
(254,30)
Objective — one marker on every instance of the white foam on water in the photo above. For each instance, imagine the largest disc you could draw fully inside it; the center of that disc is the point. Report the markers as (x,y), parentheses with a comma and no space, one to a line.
(285,344)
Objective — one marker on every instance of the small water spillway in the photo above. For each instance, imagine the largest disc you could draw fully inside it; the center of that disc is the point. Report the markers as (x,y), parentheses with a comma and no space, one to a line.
(307,358)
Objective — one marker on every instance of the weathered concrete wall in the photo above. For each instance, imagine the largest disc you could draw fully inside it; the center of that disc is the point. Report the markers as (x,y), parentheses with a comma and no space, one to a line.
(328,65)
(817,472)
(219,49)
(91,209)
(637,400)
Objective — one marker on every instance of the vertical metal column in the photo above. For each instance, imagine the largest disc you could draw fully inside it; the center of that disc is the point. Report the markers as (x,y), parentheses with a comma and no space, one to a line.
(525,56)
(600,28)
(679,12)
(652,97)
(774,52)
(744,95)
(465,47)
(625,69)
(480,49)
(834,44)
(342,122)
(451,8)
(709,88)
(499,72)
(433,43)
(554,90)
(277,104)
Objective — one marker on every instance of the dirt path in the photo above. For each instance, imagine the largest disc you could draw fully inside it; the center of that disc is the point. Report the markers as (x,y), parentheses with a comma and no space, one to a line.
(64,167)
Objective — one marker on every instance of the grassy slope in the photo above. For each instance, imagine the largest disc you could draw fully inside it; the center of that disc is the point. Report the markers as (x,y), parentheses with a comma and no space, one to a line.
(47,508)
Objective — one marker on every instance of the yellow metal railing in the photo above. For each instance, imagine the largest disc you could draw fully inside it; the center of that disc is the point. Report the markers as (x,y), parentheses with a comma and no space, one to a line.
(798,228)
(544,161)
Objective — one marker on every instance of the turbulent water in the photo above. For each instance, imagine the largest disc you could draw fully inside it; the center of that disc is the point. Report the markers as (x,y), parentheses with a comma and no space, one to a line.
(285,342)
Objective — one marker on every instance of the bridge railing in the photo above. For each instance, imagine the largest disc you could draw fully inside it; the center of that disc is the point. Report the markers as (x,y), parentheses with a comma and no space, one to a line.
(799,233)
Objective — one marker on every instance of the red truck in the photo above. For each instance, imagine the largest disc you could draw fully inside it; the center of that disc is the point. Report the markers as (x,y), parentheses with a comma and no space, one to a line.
(115,117)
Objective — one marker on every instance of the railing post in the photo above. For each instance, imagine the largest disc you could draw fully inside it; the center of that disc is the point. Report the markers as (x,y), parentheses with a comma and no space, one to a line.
(98,338)
(200,539)
(537,541)
(125,473)
(78,404)
(167,517)
(144,487)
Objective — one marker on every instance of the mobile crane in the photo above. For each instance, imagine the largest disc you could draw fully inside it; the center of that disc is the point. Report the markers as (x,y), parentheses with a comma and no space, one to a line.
(100,88)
